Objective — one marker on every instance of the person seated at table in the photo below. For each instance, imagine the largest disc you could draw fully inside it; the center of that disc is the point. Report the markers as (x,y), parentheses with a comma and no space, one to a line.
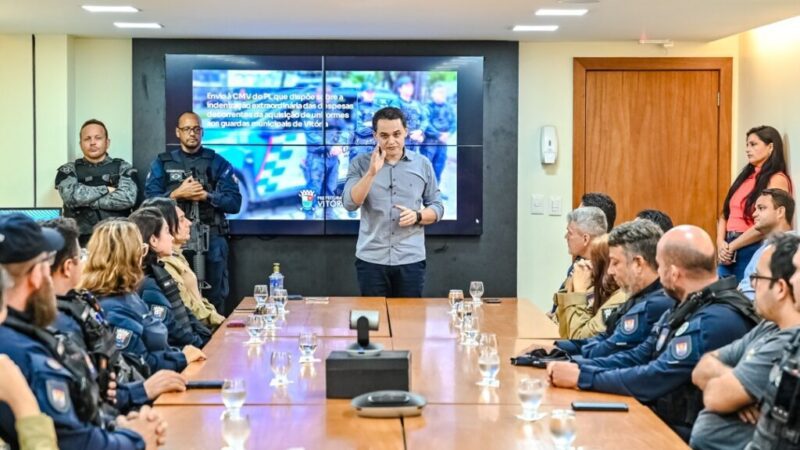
(605,203)
(711,313)
(632,264)
(113,273)
(81,317)
(35,430)
(734,379)
(177,265)
(159,289)
(659,218)
(595,295)
(583,225)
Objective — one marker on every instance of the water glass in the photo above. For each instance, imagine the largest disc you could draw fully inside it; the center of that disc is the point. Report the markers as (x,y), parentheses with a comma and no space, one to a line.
(280,297)
(476,291)
(469,325)
(255,328)
(562,428)
(233,395)
(530,392)
(489,366)
(280,362)
(308,345)
(269,314)
(261,293)
(455,297)
(488,342)
(235,430)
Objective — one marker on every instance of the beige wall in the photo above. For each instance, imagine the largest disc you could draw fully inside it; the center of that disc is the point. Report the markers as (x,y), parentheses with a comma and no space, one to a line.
(545,98)
(75,79)
(770,84)
(16,121)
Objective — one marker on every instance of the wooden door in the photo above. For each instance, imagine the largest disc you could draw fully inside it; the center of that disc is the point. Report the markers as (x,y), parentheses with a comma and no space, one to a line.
(653,137)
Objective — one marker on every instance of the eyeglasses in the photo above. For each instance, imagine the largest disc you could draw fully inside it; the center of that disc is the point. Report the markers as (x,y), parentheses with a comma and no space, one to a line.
(755,277)
(190,130)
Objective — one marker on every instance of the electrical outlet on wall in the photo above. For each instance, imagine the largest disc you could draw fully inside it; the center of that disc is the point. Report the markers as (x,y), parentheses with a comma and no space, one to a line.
(537,204)
(555,205)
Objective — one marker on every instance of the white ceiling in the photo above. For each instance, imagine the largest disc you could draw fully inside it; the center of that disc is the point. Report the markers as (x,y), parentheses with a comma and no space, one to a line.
(679,20)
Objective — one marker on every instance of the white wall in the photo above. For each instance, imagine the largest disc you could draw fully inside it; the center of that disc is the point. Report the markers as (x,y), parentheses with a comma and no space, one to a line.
(75,79)
(545,98)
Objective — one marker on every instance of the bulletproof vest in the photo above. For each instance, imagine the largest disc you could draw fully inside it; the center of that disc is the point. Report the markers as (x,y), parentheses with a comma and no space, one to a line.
(681,406)
(95,175)
(98,336)
(778,426)
(170,290)
(83,388)
(177,170)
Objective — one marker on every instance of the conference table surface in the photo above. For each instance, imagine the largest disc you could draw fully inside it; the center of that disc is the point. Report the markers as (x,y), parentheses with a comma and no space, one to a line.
(460,414)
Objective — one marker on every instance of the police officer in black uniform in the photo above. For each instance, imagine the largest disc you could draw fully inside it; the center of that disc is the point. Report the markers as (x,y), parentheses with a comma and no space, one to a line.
(196,174)
(96,186)
(62,377)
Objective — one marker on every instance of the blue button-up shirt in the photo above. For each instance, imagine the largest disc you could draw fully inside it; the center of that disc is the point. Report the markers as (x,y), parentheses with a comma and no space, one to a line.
(411,183)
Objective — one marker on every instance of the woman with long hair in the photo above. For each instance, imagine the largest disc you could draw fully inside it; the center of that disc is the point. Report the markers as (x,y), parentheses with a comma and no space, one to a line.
(595,295)
(177,265)
(158,289)
(737,238)
(113,273)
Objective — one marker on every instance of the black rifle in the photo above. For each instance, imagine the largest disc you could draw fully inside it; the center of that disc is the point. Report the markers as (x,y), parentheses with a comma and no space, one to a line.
(198,241)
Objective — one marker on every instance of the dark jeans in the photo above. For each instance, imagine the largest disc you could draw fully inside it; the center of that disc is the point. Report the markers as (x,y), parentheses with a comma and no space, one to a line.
(377,280)
(743,257)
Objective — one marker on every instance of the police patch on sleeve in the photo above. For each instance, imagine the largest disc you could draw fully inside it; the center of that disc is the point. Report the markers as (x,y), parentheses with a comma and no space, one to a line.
(122,337)
(681,347)
(58,395)
(630,324)
(158,311)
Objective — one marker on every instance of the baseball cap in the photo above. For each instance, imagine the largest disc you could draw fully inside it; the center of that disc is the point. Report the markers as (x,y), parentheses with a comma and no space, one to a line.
(22,239)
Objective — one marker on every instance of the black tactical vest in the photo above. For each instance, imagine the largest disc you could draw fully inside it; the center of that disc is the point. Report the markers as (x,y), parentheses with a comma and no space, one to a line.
(95,175)
(83,388)
(682,406)
(778,427)
(177,170)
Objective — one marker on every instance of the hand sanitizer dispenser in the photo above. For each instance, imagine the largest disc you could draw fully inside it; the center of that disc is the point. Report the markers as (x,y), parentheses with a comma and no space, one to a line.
(548,144)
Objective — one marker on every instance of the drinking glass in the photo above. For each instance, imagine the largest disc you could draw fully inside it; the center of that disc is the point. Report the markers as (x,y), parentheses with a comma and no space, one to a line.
(489,365)
(255,328)
(235,430)
(280,296)
(308,345)
(261,293)
(488,341)
(455,297)
(268,313)
(530,392)
(280,362)
(469,325)
(562,428)
(476,291)
(233,394)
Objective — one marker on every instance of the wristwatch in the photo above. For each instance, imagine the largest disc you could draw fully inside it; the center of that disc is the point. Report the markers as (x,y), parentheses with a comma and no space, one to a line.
(419,218)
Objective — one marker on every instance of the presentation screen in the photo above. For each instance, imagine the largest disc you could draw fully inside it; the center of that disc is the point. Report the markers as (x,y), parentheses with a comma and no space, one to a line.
(291,126)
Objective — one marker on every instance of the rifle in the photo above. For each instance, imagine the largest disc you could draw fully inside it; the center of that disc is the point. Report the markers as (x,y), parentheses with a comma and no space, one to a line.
(199,239)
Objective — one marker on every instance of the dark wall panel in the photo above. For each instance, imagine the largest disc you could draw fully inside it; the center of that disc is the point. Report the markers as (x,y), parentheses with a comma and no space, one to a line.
(320,265)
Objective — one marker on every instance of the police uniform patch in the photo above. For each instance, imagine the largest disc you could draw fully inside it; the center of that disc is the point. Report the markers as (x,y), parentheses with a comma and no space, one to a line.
(158,311)
(122,337)
(661,339)
(58,395)
(65,169)
(630,324)
(681,347)
(682,329)
(175,176)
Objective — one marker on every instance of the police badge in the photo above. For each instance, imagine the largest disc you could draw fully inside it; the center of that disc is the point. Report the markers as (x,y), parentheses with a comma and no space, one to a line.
(58,395)
(630,324)
(681,347)
(122,338)
(158,311)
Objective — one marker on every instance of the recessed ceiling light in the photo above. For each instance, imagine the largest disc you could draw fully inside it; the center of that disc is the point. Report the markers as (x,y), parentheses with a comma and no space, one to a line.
(109,9)
(535,28)
(137,25)
(561,12)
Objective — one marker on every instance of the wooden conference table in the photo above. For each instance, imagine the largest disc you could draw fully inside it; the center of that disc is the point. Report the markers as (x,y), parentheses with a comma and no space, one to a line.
(459,415)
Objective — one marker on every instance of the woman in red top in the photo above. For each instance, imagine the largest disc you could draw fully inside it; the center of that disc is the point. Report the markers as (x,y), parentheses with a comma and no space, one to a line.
(737,239)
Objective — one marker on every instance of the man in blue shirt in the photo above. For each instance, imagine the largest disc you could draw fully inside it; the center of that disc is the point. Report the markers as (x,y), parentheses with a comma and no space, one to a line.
(196,174)
(711,313)
(773,213)
(397,192)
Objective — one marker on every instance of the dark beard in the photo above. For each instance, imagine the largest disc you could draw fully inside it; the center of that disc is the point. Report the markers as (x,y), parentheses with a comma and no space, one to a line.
(675,294)
(42,305)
